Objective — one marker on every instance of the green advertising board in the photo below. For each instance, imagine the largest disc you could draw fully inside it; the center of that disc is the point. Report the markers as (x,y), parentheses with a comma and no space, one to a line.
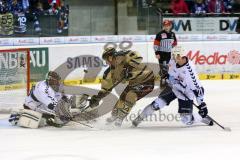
(39,63)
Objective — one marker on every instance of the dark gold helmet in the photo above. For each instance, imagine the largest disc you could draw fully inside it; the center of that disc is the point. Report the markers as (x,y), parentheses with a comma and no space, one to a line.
(109,51)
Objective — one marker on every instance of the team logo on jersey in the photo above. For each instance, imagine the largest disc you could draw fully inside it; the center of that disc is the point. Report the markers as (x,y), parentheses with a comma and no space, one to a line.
(164,35)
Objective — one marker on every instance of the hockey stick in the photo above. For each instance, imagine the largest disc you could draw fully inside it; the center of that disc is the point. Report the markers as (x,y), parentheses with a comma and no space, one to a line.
(221,126)
(70,120)
(84,124)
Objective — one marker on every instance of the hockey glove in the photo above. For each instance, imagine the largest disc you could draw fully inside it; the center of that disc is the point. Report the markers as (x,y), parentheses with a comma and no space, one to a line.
(203,111)
(94,101)
(65,99)
(51,106)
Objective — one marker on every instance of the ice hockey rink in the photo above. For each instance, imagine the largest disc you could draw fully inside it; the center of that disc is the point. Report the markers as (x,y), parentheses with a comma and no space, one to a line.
(165,140)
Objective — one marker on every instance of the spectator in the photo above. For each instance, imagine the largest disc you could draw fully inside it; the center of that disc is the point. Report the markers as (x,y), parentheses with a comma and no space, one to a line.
(228,5)
(216,6)
(179,6)
(2,7)
(5,7)
(6,18)
(19,9)
(63,17)
(199,7)
(53,6)
(16,7)
(236,6)
(190,4)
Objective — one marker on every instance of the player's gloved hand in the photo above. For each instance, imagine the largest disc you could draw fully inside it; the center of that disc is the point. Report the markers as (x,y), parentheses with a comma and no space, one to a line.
(203,111)
(65,99)
(94,101)
(51,106)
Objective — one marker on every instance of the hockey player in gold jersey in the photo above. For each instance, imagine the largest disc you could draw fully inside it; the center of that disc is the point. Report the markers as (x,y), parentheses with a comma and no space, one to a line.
(124,67)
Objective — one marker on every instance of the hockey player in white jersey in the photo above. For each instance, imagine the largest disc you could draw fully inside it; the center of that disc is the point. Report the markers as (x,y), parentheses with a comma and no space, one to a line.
(45,103)
(183,85)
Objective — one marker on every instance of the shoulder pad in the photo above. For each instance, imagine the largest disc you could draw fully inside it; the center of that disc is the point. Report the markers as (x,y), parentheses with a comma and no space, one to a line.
(133,57)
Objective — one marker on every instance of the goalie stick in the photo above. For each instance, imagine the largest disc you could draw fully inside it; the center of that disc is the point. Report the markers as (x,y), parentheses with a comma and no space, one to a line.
(84,124)
(221,126)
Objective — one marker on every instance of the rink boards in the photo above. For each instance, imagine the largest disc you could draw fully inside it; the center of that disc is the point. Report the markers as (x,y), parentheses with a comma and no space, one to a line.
(82,63)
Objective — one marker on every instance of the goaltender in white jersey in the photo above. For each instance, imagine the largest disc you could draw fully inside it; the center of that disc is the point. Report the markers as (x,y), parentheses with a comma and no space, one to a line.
(184,85)
(42,98)
(45,105)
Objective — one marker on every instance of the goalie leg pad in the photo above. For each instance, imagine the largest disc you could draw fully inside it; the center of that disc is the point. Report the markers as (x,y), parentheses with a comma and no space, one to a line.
(29,119)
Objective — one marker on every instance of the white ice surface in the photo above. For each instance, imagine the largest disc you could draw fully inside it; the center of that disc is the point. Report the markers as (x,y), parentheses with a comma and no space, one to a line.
(12,99)
(152,140)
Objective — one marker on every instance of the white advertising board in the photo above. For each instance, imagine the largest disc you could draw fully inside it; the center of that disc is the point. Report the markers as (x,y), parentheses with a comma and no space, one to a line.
(204,25)
(209,57)
(112,38)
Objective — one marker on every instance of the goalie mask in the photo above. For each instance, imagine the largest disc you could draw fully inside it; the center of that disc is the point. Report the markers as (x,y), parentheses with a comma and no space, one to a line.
(53,80)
